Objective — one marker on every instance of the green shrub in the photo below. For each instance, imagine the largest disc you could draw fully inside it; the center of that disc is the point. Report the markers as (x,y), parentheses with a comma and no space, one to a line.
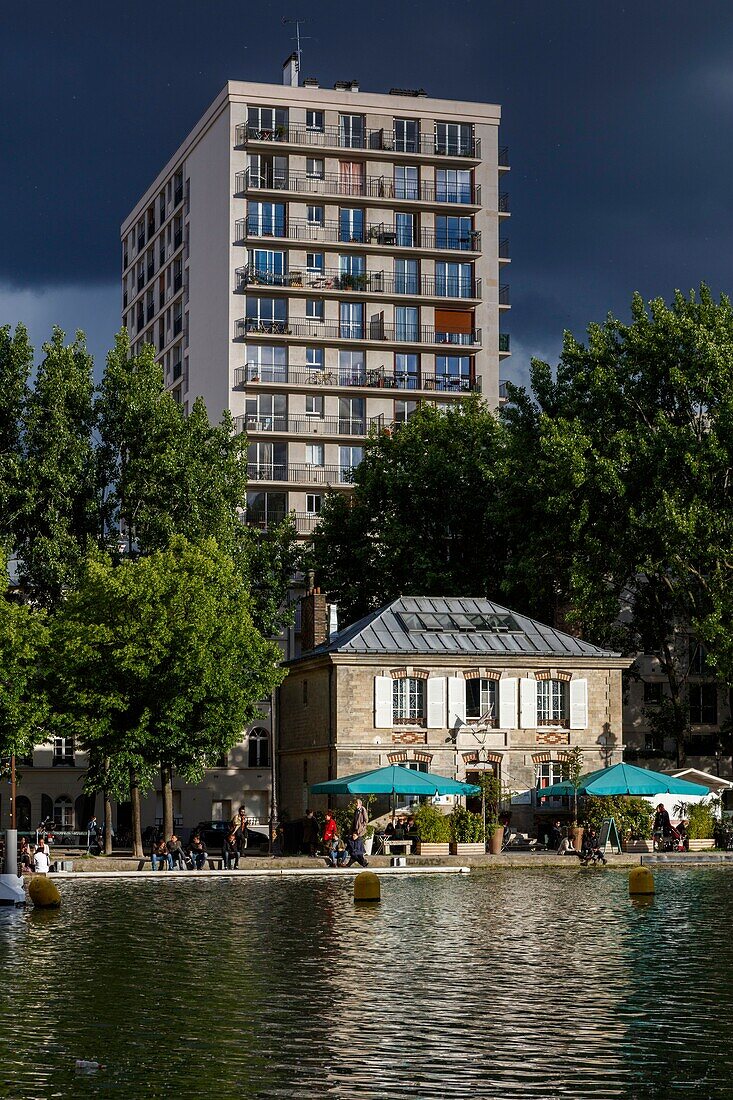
(700,821)
(431,825)
(633,816)
(465,827)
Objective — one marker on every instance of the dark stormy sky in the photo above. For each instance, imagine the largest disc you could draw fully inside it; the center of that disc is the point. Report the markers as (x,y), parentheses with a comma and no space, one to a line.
(618,117)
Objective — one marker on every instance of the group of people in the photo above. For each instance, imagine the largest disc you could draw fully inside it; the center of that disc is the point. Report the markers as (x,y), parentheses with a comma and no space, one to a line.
(666,835)
(338,851)
(34,858)
(169,855)
(590,850)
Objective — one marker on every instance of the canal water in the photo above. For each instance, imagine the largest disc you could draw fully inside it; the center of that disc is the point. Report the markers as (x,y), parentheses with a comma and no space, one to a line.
(503,985)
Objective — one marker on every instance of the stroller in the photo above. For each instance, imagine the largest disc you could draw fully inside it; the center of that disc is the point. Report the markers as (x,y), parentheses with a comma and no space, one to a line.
(668,842)
(590,854)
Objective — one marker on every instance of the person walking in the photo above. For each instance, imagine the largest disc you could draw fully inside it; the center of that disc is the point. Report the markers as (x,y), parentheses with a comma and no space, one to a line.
(240,830)
(355,850)
(360,819)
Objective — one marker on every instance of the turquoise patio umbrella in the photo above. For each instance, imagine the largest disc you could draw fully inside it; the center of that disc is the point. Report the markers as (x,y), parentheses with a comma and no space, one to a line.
(395,779)
(625,779)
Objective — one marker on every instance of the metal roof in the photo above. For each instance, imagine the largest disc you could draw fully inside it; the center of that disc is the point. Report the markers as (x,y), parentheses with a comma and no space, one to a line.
(388,631)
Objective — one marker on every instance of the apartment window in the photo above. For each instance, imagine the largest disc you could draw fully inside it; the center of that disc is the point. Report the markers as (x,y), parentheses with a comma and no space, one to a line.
(313,503)
(453,280)
(351,320)
(349,459)
(314,358)
(352,366)
(314,309)
(406,182)
(552,702)
(406,277)
(314,168)
(63,812)
(548,773)
(314,215)
(266,412)
(454,370)
(454,139)
(406,132)
(351,224)
(453,232)
(481,701)
(258,755)
(267,461)
(314,121)
(266,314)
(267,267)
(63,752)
(351,415)
(698,658)
(266,219)
(314,263)
(405,229)
(406,371)
(269,364)
(314,454)
(266,509)
(653,693)
(161,207)
(313,405)
(703,699)
(403,410)
(351,131)
(407,323)
(408,700)
(351,177)
(452,185)
(268,123)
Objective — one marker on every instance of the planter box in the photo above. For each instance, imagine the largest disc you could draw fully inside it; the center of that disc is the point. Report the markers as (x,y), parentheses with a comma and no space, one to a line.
(702,844)
(429,849)
(467,848)
(637,846)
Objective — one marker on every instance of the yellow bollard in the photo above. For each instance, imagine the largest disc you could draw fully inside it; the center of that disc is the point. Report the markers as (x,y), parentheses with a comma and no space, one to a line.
(43,893)
(641,881)
(366,887)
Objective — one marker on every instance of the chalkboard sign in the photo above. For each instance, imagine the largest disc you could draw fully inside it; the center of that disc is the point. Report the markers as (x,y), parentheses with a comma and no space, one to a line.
(609,836)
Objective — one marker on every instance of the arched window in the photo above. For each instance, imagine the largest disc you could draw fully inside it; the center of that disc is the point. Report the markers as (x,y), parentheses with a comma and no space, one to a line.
(63,812)
(23,813)
(259,749)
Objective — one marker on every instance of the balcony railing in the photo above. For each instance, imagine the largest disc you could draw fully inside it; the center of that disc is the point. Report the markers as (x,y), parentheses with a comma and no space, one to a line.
(504,248)
(299,229)
(503,156)
(300,472)
(370,187)
(301,425)
(353,330)
(503,202)
(504,342)
(369,282)
(378,378)
(504,295)
(338,138)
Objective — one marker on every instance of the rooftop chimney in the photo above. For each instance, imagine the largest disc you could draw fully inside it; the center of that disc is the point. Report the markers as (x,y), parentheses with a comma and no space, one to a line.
(333,620)
(311,82)
(313,620)
(290,71)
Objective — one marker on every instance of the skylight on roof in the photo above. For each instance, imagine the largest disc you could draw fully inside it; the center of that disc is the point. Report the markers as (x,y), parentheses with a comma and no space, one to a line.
(458,623)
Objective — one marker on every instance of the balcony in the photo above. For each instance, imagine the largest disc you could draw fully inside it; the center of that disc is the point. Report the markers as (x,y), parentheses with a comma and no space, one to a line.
(301,425)
(503,202)
(503,156)
(504,249)
(504,295)
(304,328)
(299,229)
(368,187)
(300,473)
(335,137)
(368,282)
(378,378)
(503,393)
(504,343)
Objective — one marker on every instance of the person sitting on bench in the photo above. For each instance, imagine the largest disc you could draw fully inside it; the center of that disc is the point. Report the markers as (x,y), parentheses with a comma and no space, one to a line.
(197,851)
(230,851)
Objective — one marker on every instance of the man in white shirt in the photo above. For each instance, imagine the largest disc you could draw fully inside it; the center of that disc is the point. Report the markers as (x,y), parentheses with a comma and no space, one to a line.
(41,862)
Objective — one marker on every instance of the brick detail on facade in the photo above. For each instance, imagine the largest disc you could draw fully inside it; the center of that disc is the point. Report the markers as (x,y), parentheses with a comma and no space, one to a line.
(423,757)
(397,757)
(420,674)
(409,737)
(552,737)
(544,674)
(481,674)
(398,673)
(565,677)
(488,758)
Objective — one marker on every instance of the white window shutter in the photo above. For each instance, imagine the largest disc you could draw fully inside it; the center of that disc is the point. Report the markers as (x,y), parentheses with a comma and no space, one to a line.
(508,703)
(578,704)
(456,701)
(527,703)
(436,702)
(382,702)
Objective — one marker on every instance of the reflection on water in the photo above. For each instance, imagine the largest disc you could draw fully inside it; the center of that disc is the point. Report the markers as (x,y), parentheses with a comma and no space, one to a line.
(502,985)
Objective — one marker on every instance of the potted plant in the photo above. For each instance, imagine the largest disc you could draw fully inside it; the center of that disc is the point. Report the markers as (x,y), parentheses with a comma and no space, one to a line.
(433,830)
(467,832)
(491,794)
(701,823)
(574,761)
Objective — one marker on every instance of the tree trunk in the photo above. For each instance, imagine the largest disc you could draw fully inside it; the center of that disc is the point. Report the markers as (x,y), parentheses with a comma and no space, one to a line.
(137,835)
(108,811)
(166,790)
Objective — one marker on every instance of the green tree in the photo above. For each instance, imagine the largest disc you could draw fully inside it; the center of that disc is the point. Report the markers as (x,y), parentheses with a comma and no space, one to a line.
(58,517)
(621,469)
(16,361)
(158,659)
(23,707)
(424,514)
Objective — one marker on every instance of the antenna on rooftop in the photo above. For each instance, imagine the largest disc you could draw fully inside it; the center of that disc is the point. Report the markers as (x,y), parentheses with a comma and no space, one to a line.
(297,39)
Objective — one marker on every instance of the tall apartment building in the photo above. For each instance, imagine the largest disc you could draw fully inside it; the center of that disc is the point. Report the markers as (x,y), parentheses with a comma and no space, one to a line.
(318,261)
